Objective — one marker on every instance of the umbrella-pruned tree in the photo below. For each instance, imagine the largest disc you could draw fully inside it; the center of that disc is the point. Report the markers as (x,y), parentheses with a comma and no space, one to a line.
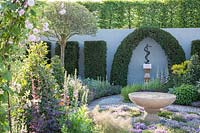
(67,19)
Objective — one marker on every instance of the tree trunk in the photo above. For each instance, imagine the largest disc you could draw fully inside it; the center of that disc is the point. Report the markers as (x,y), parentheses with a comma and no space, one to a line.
(62,53)
(9,113)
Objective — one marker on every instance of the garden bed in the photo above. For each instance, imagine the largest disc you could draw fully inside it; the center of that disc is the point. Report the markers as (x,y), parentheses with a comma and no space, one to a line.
(117,116)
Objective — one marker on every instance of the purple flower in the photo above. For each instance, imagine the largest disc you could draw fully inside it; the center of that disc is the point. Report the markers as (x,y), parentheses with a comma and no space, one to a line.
(172,123)
(151,127)
(21,12)
(35,31)
(32,38)
(28,25)
(136,130)
(31,2)
(45,27)
(160,131)
(198,130)
(190,117)
(140,126)
(188,129)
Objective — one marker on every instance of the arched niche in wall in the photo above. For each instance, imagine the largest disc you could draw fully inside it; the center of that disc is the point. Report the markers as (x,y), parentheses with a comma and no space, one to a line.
(168,43)
(157,57)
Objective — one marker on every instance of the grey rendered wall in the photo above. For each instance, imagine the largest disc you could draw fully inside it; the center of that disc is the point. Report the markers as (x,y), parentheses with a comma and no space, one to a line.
(113,38)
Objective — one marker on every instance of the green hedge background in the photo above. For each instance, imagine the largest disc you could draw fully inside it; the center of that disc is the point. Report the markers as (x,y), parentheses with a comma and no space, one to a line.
(195,48)
(156,13)
(71,56)
(122,57)
(95,59)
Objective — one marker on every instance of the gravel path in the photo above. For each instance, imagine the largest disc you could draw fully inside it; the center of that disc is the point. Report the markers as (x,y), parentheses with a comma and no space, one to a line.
(117,100)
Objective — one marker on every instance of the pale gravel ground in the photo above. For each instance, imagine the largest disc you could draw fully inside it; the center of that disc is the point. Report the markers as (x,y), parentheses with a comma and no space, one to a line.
(117,100)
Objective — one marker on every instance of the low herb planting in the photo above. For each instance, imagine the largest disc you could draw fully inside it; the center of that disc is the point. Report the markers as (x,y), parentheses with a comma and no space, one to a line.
(120,119)
(98,89)
(153,85)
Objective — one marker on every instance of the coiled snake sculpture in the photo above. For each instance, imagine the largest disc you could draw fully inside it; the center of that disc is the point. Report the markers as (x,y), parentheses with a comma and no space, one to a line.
(146,49)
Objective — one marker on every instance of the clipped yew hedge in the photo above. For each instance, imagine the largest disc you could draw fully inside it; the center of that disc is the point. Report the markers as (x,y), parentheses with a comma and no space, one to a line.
(195,48)
(71,56)
(123,55)
(95,59)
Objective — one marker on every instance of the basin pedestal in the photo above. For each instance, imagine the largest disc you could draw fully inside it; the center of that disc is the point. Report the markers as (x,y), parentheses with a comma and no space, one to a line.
(152,102)
(151,115)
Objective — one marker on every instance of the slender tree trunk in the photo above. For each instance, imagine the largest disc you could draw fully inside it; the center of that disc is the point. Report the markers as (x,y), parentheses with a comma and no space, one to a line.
(62,53)
(129,17)
(9,105)
(9,113)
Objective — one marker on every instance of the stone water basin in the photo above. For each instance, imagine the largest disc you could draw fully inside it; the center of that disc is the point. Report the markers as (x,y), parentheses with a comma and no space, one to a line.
(152,102)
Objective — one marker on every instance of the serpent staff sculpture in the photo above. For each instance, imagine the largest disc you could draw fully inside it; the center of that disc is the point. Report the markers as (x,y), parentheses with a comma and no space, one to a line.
(146,49)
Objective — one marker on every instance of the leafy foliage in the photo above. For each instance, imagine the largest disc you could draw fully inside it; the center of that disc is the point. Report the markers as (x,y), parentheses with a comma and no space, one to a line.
(123,55)
(166,114)
(95,59)
(187,72)
(179,72)
(57,70)
(157,13)
(195,48)
(38,106)
(193,74)
(185,94)
(13,31)
(98,89)
(71,56)
(68,19)
(49,51)
(75,118)
(80,122)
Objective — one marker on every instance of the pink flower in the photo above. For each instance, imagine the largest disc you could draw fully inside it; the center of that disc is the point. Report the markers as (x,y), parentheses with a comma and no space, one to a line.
(45,27)
(28,25)
(21,12)
(35,31)
(31,2)
(32,38)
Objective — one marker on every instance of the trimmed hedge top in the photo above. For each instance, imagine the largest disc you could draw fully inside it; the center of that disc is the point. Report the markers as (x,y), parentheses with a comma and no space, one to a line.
(95,59)
(195,48)
(113,14)
(71,56)
(123,55)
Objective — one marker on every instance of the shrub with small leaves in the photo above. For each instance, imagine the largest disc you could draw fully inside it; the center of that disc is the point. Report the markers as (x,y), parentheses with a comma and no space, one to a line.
(185,94)
(57,70)
(187,72)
